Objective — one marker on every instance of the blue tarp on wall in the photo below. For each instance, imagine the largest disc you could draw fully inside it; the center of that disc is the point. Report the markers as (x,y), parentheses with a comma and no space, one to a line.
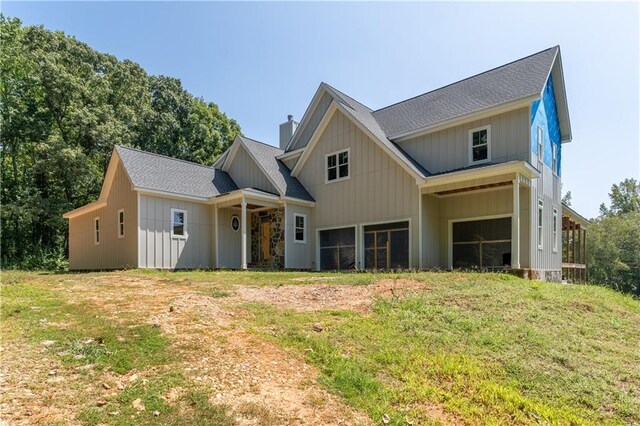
(544,113)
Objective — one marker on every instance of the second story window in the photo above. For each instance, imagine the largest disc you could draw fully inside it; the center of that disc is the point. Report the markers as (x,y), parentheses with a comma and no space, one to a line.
(555,159)
(337,166)
(540,144)
(480,145)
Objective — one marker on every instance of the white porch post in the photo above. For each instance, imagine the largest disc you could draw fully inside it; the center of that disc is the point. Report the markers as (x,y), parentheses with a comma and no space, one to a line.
(215,218)
(515,224)
(243,225)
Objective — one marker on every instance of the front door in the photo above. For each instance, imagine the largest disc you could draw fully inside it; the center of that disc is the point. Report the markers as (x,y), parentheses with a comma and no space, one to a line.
(265,239)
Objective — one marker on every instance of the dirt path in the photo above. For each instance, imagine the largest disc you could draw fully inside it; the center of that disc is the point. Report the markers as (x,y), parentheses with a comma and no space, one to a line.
(262,383)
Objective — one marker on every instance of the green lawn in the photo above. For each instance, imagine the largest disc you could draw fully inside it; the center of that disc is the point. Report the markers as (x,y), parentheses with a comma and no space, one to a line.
(492,349)
(466,348)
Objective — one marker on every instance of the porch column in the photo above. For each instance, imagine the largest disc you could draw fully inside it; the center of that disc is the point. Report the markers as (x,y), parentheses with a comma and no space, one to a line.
(515,224)
(243,226)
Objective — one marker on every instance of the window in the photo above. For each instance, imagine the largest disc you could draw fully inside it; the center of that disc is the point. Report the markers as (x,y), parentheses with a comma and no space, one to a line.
(96,231)
(540,143)
(480,145)
(178,223)
(300,230)
(121,223)
(555,158)
(540,216)
(555,229)
(235,223)
(337,166)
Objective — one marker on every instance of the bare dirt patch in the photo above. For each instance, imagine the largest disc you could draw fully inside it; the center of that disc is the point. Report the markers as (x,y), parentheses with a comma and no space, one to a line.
(317,297)
(261,382)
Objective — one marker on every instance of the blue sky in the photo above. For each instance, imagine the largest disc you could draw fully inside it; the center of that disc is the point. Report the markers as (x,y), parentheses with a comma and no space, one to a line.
(262,61)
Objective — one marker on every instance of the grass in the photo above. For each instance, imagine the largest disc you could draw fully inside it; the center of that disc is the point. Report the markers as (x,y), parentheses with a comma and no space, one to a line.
(77,335)
(479,348)
(489,349)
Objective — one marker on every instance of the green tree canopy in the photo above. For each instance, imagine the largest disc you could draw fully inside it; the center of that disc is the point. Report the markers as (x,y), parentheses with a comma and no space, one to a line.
(614,240)
(63,107)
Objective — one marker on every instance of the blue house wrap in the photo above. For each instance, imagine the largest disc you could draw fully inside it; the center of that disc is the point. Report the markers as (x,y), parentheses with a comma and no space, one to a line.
(544,113)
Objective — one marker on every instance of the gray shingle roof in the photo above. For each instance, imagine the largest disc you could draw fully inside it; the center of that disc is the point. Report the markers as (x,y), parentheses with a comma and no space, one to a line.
(516,80)
(160,173)
(266,155)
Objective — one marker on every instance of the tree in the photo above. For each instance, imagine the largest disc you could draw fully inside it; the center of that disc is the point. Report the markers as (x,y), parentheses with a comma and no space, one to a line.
(566,199)
(63,107)
(614,240)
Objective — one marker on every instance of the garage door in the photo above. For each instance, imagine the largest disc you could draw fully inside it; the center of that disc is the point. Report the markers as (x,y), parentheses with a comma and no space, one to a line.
(338,249)
(386,246)
(484,244)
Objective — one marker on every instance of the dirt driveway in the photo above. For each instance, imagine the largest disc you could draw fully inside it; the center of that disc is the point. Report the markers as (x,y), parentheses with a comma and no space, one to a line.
(260,382)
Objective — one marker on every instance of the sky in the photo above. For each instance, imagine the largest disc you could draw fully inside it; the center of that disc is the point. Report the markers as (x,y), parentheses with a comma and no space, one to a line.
(262,61)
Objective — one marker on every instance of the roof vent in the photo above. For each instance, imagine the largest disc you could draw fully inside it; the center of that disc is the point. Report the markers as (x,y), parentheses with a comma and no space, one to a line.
(287,130)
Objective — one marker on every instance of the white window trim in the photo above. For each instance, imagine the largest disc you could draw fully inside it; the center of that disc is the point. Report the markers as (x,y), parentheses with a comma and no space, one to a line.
(554,159)
(304,228)
(540,224)
(120,223)
(231,223)
(555,230)
(97,232)
(540,142)
(471,132)
(326,169)
(186,233)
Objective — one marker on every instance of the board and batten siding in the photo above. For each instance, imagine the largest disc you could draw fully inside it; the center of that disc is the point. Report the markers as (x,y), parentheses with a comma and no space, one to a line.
(448,149)
(229,241)
(477,206)
(246,173)
(546,188)
(299,255)
(112,252)
(157,249)
(314,120)
(378,189)
(291,161)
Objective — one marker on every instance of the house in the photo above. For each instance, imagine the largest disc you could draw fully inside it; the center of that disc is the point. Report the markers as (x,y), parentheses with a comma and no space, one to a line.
(464,176)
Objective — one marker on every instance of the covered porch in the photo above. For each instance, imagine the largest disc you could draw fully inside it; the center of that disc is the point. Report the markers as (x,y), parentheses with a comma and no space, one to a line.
(478,218)
(574,246)
(249,230)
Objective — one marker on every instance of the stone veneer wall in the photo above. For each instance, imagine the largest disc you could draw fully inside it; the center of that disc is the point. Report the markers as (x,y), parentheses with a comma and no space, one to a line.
(276,243)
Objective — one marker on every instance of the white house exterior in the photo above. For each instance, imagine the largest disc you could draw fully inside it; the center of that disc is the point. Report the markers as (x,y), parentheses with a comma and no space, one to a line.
(465,176)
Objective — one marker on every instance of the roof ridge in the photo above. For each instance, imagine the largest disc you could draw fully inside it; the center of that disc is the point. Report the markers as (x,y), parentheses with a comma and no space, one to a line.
(465,79)
(340,92)
(164,156)
(262,143)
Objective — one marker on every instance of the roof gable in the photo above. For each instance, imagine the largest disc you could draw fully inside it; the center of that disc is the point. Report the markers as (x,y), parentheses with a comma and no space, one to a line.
(361,115)
(521,79)
(264,156)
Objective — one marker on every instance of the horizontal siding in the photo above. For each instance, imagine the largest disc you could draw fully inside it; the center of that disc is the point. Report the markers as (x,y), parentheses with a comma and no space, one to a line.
(159,250)
(112,252)
(448,149)
(378,188)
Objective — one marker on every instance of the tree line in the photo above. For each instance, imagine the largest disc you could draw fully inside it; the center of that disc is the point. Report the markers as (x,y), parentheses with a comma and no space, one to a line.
(613,240)
(63,107)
